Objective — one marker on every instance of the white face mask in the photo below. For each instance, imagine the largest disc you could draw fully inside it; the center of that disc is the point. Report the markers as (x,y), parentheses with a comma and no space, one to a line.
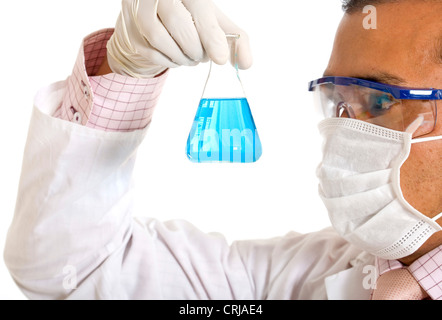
(360,186)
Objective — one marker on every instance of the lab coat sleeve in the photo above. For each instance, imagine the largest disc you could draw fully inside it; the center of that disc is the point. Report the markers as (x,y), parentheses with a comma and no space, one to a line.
(296,266)
(74,202)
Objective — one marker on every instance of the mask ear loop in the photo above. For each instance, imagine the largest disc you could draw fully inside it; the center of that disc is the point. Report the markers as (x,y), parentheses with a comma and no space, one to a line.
(437,217)
(428,139)
(412,128)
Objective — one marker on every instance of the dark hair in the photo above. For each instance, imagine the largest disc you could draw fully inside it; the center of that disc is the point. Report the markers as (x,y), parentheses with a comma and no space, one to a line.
(350,6)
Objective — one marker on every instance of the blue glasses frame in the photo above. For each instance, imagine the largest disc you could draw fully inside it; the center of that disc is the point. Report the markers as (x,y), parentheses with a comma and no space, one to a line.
(396,91)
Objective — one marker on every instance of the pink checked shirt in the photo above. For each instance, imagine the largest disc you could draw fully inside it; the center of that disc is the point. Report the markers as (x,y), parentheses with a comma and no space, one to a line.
(111,102)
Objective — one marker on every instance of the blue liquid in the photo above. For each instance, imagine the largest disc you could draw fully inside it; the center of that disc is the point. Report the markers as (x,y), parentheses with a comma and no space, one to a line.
(224,131)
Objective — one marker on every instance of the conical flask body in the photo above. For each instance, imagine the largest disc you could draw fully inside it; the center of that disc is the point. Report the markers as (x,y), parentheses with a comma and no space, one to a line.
(224,131)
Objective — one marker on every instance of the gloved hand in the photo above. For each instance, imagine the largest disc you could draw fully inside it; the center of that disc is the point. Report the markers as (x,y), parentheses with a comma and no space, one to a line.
(153,35)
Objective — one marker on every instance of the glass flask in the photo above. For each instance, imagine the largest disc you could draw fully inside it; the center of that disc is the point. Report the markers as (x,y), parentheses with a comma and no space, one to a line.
(223,129)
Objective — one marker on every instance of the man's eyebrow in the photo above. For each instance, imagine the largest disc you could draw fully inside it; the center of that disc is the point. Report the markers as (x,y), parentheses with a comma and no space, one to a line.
(386,78)
(381,77)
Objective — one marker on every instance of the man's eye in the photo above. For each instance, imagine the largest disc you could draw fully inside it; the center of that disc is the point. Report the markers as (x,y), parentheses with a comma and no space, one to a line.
(379,105)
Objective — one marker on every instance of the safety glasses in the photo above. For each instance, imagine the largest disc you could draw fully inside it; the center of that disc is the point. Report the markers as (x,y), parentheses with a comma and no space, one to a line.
(393,107)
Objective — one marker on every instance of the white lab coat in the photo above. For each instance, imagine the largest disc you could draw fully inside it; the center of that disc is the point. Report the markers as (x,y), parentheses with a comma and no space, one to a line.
(74,236)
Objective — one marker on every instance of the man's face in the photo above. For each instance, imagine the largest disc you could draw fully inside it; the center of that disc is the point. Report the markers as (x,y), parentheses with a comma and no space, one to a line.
(401,51)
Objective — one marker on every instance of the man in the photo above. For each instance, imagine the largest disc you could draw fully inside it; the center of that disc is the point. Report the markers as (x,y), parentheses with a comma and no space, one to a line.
(73,235)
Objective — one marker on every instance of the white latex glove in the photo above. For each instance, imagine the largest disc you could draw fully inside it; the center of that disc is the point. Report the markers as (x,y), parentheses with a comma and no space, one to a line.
(153,35)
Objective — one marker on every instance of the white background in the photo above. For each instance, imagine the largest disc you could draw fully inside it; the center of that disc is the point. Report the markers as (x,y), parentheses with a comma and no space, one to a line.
(291,43)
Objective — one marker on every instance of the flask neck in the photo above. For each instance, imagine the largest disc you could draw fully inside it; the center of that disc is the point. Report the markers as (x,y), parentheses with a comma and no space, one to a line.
(223,81)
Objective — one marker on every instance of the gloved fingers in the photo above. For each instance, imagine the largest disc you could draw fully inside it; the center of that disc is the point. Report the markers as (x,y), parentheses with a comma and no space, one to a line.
(146,52)
(179,23)
(244,53)
(155,57)
(212,37)
(151,28)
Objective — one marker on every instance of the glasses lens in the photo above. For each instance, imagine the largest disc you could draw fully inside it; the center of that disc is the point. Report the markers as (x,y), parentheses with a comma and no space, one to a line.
(417,117)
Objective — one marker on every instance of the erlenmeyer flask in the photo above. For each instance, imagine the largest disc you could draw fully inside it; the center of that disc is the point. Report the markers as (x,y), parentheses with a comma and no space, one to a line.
(223,129)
